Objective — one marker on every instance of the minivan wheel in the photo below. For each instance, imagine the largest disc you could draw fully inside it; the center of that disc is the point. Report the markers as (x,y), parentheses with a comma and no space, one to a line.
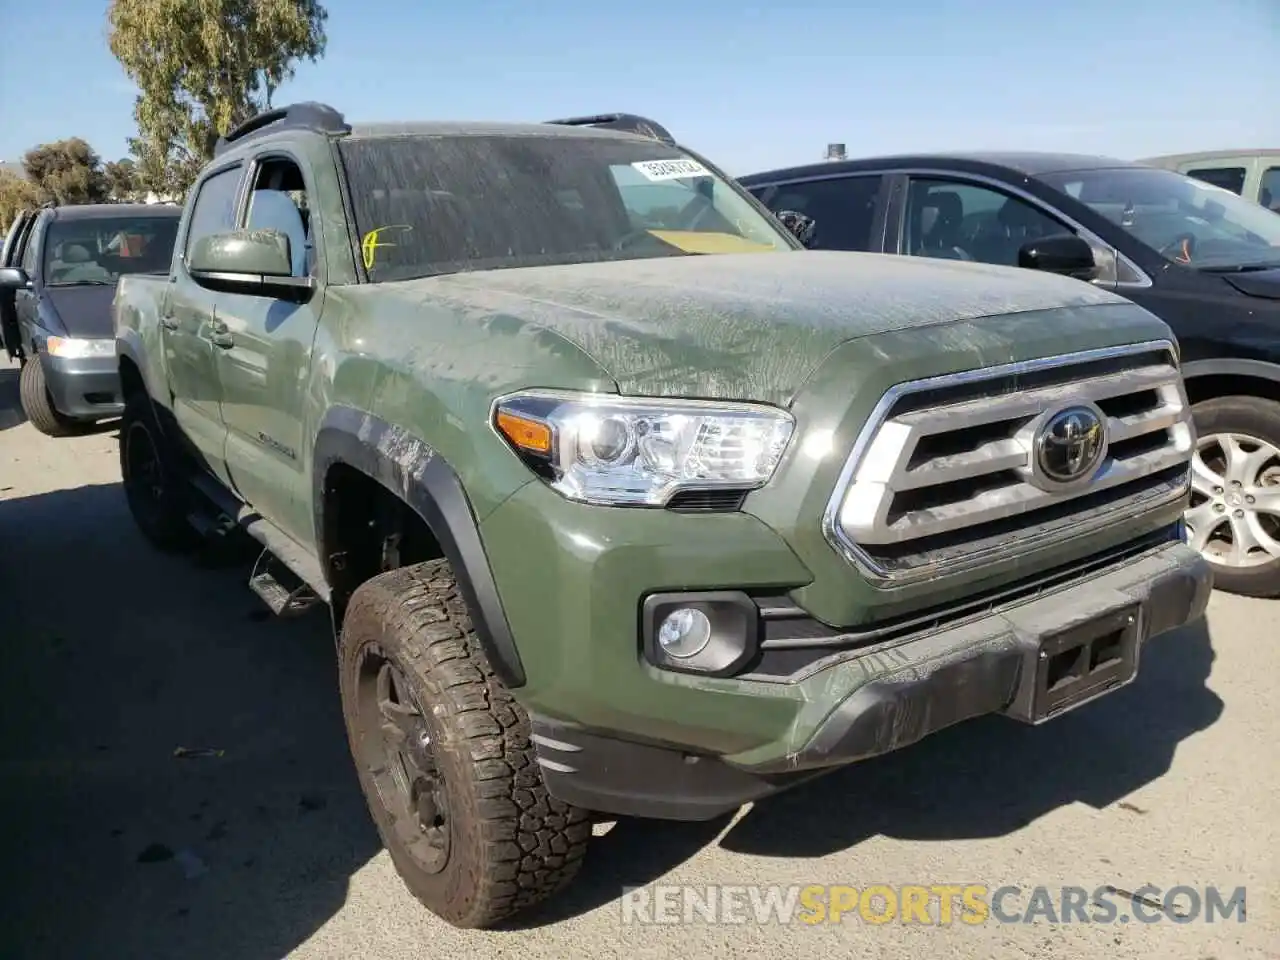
(444,756)
(37,402)
(1234,517)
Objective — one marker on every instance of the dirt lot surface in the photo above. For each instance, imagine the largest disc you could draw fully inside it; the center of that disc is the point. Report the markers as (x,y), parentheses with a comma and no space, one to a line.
(113,847)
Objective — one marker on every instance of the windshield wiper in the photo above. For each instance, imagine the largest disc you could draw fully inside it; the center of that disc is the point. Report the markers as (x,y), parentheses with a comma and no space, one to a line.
(82,283)
(1242,267)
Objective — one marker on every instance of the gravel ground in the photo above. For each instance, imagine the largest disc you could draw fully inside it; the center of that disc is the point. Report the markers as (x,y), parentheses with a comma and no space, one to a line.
(113,847)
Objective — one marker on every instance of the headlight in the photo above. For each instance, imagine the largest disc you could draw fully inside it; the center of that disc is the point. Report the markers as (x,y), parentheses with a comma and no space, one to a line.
(602,448)
(73,349)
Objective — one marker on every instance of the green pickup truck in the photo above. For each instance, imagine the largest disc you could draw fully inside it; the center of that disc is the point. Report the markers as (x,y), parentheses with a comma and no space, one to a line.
(624,504)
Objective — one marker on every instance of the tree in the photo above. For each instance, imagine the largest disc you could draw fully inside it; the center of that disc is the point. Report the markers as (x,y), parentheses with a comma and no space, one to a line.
(16,194)
(122,181)
(202,67)
(67,171)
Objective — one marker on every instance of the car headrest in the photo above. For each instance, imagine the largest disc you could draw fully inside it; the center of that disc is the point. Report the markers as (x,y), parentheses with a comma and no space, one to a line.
(949,206)
(75,253)
(1015,213)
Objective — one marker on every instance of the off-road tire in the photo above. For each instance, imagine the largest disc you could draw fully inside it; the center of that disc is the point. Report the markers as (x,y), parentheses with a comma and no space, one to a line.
(164,522)
(1258,418)
(37,404)
(512,845)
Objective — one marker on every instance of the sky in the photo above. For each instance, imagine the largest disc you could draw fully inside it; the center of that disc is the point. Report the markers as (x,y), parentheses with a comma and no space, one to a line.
(750,85)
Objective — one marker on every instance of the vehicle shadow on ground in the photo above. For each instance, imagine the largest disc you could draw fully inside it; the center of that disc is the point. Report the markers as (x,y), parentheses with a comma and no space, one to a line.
(985,778)
(116,656)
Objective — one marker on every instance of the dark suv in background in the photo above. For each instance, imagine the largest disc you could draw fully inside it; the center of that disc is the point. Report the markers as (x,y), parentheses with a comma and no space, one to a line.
(1204,260)
(58,276)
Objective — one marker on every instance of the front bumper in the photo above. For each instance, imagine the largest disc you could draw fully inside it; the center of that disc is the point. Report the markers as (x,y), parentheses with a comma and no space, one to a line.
(85,388)
(875,701)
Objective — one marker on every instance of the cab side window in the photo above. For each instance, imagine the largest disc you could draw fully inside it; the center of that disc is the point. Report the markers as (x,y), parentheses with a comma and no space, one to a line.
(953,220)
(215,207)
(279,201)
(843,208)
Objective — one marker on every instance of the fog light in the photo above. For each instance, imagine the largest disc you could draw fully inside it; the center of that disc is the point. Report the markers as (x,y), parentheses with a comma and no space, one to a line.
(684,633)
(712,633)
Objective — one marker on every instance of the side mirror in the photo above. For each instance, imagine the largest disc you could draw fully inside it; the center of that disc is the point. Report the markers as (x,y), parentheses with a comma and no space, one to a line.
(1063,253)
(11,278)
(257,262)
(801,227)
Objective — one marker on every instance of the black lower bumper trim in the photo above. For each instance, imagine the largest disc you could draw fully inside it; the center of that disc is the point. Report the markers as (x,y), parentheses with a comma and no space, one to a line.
(1007,670)
(600,772)
(1032,663)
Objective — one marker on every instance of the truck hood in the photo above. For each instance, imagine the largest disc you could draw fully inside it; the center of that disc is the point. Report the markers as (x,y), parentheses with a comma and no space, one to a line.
(744,326)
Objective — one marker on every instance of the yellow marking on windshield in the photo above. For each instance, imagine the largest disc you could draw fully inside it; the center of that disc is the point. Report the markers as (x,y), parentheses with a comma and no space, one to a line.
(369,245)
(700,241)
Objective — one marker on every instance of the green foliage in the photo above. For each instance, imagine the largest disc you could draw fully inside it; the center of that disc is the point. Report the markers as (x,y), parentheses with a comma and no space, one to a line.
(204,66)
(122,181)
(68,171)
(16,194)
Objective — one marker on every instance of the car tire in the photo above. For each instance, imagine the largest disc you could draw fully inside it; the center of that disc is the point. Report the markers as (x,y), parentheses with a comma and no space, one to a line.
(37,403)
(444,755)
(154,486)
(1227,521)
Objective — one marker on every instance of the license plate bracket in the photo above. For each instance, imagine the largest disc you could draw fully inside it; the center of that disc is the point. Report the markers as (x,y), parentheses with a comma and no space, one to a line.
(1073,666)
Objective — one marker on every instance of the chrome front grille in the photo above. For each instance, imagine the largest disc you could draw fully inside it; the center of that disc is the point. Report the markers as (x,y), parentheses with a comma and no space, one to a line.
(946,475)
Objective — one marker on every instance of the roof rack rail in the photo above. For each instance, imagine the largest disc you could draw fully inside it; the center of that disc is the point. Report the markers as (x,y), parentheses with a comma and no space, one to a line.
(625,122)
(308,115)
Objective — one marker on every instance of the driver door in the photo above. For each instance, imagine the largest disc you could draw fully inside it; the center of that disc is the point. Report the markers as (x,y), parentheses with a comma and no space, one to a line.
(954,218)
(11,256)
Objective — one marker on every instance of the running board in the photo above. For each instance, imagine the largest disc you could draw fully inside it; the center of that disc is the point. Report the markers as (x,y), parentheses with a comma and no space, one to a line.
(285,599)
(290,554)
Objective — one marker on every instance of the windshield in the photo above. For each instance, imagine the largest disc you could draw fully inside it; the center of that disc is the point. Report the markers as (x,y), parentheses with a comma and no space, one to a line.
(1187,221)
(100,250)
(427,205)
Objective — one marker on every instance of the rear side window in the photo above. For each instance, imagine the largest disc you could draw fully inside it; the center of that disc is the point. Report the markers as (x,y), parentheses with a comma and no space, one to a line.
(843,209)
(1228,178)
(215,206)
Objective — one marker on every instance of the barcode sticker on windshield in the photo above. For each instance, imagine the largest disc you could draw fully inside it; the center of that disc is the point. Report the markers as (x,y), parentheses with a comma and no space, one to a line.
(670,169)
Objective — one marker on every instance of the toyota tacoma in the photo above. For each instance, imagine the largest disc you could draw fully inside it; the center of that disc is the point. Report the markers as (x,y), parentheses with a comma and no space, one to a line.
(621,502)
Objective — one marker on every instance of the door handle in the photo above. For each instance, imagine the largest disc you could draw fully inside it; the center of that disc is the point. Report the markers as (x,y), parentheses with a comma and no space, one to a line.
(169,323)
(220,336)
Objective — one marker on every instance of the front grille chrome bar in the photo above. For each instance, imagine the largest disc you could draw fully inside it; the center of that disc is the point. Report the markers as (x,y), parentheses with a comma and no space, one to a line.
(943,476)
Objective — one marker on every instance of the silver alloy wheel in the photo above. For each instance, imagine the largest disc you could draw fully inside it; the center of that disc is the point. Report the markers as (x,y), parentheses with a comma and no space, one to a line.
(1234,518)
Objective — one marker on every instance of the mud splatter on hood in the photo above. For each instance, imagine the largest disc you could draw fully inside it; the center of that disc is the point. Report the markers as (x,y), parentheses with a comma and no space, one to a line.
(744,325)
